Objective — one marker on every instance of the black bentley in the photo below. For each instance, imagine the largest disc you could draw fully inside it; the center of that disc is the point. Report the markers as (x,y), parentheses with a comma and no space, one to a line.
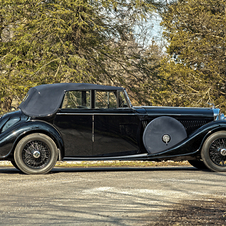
(68,121)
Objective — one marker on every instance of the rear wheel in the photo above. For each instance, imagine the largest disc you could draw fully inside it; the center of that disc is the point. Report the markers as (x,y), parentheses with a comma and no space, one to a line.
(36,154)
(15,165)
(199,164)
(214,151)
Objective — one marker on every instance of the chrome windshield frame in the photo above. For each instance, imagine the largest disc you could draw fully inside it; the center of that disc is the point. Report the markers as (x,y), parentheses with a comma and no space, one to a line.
(217,115)
(128,100)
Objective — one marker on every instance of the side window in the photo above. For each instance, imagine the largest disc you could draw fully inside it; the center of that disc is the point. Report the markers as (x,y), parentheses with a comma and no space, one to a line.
(77,100)
(106,99)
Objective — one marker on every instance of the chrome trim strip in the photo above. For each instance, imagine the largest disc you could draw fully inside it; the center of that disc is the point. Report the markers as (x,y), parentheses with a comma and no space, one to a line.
(95,113)
(105,158)
(161,156)
(168,107)
(93,128)
(174,114)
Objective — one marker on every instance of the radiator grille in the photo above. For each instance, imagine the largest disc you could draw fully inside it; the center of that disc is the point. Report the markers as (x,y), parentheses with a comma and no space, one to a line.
(192,125)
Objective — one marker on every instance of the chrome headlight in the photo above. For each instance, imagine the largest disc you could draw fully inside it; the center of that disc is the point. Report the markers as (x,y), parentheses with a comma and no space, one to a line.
(217,115)
(221,117)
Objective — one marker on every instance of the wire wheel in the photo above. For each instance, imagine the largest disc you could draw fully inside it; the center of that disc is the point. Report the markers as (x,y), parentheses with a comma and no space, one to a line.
(213,152)
(217,152)
(36,154)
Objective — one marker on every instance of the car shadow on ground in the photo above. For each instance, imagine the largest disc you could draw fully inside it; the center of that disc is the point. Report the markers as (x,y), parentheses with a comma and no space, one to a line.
(106,169)
(12,170)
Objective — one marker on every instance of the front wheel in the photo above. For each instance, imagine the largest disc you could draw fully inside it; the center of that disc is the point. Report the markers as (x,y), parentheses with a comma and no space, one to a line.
(213,152)
(36,154)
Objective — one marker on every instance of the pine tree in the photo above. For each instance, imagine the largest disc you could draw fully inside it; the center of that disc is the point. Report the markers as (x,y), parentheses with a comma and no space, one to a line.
(195,71)
(64,41)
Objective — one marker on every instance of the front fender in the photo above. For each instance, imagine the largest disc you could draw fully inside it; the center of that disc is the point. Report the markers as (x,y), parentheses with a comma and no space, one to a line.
(194,142)
(10,138)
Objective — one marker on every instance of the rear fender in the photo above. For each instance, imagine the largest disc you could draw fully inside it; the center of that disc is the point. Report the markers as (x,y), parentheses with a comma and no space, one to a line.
(10,138)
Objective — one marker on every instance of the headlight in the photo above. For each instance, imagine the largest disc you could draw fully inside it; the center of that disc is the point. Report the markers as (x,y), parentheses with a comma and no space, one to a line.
(221,116)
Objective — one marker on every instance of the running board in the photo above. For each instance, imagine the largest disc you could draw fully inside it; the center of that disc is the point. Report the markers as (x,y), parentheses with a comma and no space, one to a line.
(126,157)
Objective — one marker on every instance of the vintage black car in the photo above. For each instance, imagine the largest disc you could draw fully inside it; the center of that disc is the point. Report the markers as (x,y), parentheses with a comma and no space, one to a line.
(69,121)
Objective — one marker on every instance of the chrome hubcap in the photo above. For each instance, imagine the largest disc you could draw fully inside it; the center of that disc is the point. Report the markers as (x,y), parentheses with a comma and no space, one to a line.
(223,151)
(36,154)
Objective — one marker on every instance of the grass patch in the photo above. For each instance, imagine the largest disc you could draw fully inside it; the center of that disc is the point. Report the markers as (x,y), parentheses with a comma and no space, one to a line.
(88,164)
(117,163)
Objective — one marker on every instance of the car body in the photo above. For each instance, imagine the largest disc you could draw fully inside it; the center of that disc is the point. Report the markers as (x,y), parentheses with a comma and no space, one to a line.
(83,122)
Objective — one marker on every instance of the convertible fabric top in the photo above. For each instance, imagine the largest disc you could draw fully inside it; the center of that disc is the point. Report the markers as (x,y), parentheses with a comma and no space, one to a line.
(45,100)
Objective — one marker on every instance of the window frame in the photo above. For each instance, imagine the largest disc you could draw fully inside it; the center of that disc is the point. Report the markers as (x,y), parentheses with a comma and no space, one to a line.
(82,91)
(93,99)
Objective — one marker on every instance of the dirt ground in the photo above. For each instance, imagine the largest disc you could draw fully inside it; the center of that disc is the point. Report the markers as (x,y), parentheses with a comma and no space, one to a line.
(195,212)
(113,196)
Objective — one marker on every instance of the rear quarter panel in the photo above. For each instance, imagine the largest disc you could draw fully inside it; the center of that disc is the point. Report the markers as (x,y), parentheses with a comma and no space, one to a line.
(10,138)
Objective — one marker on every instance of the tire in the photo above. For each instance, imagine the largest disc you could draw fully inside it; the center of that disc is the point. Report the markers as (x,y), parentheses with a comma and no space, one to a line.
(213,152)
(14,164)
(36,154)
(199,164)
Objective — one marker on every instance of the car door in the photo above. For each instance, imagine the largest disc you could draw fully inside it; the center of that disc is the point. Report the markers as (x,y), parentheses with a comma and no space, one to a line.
(74,120)
(116,125)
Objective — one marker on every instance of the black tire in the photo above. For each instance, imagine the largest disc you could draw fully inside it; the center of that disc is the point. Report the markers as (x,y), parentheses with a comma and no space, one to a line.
(199,164)
(36,154)
(213,152)
(14,164)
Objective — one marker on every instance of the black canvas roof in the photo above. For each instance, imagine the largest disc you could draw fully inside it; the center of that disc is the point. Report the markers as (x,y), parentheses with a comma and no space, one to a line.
(45,100)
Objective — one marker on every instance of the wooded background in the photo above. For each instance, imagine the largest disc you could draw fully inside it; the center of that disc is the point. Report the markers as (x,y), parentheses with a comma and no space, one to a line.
(109,42)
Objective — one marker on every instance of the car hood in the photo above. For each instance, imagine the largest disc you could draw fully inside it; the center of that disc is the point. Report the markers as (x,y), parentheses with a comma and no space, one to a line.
(176,111)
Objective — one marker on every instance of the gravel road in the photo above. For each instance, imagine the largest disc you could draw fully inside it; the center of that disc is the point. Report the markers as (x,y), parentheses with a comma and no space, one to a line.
(102,196)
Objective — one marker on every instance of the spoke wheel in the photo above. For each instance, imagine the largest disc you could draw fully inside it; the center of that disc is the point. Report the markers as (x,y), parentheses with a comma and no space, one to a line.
(36,154)
(214,151)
